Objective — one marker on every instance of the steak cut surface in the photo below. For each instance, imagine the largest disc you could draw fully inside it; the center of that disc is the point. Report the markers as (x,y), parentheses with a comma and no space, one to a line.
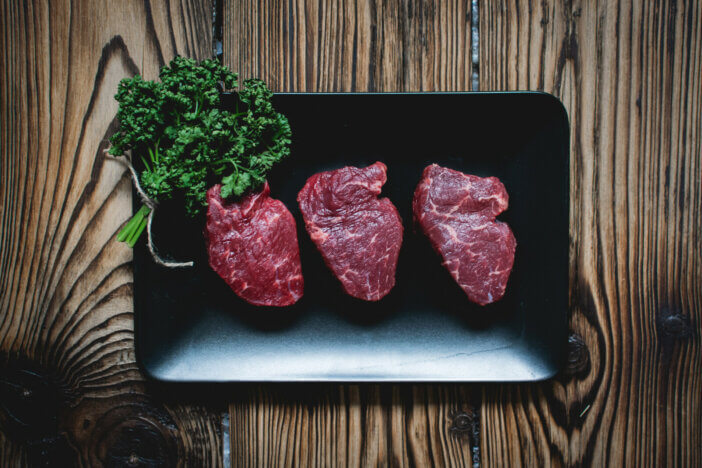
(358,234)
(252,245)
(457,211)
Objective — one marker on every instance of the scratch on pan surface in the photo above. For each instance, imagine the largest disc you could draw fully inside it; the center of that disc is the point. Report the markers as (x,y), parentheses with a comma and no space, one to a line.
(441,358)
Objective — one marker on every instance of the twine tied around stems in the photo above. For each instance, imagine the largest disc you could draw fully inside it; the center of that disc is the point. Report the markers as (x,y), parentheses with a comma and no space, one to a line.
(151,204)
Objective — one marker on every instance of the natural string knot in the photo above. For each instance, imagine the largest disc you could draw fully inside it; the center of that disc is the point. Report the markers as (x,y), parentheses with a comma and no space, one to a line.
(146,200)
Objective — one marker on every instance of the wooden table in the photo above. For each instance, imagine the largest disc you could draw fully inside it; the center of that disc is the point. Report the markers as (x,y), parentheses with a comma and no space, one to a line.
(630,75)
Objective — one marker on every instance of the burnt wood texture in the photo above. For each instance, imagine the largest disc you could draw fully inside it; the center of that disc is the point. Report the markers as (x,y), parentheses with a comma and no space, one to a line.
(629,75)
(70,389)
(337,45)
(354,425)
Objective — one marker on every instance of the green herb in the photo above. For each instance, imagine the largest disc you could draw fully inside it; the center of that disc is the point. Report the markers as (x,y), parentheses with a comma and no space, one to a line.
(184,142)
(130,229)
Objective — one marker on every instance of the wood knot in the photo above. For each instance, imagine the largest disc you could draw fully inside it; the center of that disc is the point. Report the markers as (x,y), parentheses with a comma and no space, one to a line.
(466,424)
(672,326)
(676,326)
(463,423)
(578,356)
(29,404)
(135,434)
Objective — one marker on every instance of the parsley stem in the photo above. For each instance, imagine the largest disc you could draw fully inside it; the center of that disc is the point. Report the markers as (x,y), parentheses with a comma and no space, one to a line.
(137,232)
(133,229)
(153,154)
(236,168)
(143,159)
(127,229)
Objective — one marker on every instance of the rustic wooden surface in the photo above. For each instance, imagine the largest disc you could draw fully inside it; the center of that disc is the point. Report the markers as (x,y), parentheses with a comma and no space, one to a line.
(629,75)
(353,425)
(70,390)
(338,45)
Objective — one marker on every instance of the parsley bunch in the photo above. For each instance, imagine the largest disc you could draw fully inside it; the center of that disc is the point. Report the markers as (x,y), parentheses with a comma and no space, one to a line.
(184,142)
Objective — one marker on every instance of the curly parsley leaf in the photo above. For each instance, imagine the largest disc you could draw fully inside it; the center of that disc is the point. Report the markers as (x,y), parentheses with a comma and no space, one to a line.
(183,142)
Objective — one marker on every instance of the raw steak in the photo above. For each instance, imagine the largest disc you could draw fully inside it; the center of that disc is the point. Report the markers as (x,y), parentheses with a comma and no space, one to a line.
(358,234)
(252,245)
(457,213)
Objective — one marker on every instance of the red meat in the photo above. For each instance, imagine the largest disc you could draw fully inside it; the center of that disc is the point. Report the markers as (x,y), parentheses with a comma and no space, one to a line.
(358,234)
(457,213)
(252,245)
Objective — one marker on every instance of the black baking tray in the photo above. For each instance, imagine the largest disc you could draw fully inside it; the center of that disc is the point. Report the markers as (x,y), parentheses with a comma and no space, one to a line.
(191,327)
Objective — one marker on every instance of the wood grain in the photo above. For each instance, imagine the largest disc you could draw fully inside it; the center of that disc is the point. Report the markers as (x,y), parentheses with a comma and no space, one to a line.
(352,425)
(629,74)
(70,389)
(337,45)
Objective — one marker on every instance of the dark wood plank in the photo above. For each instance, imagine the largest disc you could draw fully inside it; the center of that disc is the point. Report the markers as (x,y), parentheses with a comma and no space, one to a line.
(629,74)
(352,46)
(70,389)
(352,425)
(365,45)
